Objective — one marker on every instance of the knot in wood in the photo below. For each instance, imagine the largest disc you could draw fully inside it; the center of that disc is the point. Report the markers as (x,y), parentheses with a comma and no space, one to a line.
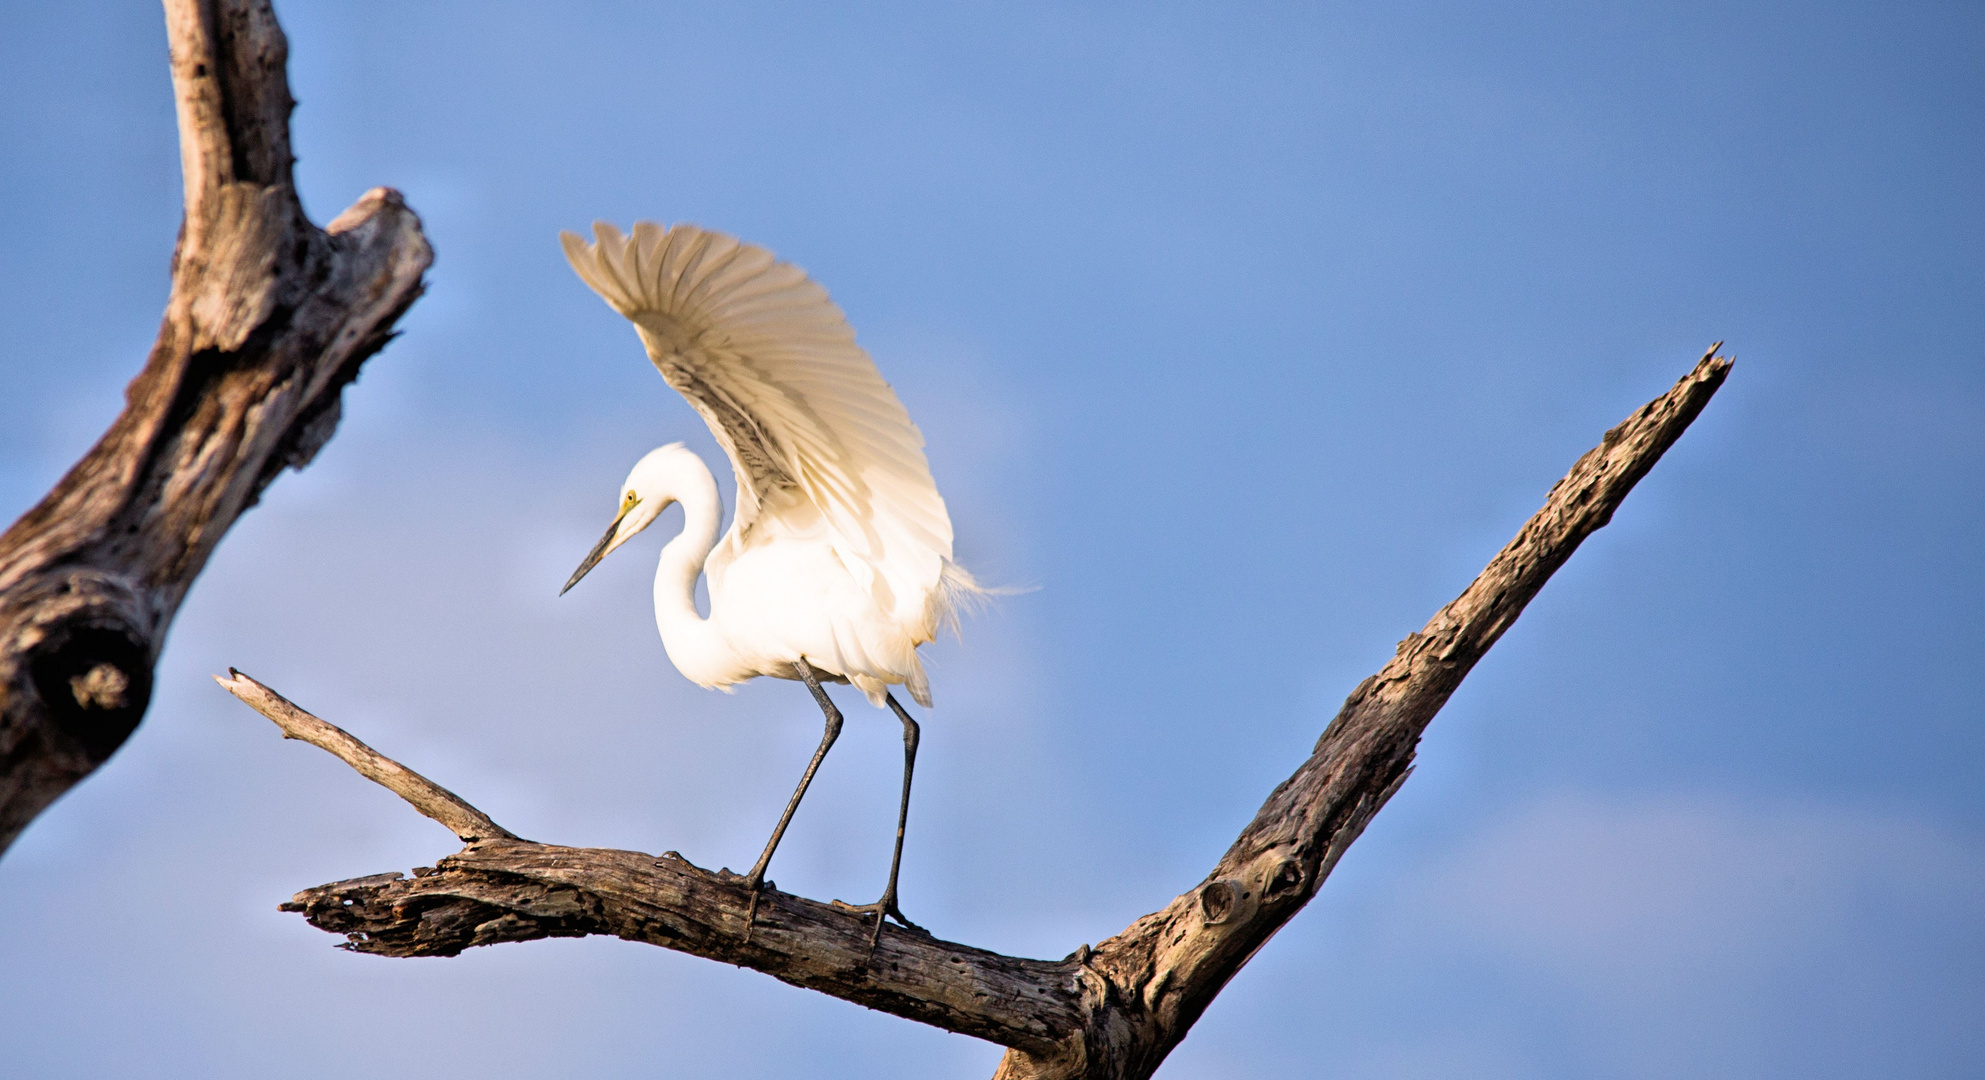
(93,674)
(1219,899)
(1287,878)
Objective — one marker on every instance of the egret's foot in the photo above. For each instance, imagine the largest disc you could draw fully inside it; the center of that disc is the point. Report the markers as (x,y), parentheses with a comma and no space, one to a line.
(884,908)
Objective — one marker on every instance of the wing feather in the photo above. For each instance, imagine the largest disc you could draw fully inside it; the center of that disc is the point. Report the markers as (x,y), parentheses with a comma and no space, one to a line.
(770,363)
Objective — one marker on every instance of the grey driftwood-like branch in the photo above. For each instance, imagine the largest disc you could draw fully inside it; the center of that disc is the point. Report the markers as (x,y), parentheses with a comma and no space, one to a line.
(1112,1012)
(268,319)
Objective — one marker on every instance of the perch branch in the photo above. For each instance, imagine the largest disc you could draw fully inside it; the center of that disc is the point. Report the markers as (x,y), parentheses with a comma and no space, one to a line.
(1111,1013)
(268,319)
(514,890)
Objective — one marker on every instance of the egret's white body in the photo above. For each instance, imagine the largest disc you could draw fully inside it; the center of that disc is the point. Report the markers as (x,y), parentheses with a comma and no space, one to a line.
(838,559)
(840,551)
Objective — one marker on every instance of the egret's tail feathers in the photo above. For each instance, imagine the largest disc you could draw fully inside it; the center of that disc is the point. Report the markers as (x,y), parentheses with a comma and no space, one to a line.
(959,593)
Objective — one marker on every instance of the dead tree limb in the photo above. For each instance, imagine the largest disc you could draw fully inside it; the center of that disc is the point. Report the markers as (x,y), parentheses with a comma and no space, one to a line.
(437,802)
(268,319)
(1113,1012)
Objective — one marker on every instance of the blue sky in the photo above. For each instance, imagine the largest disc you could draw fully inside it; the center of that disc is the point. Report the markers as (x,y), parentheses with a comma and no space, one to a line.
(1248,337)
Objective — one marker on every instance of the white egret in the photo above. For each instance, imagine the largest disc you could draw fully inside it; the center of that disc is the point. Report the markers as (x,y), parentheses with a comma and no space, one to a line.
(838,563)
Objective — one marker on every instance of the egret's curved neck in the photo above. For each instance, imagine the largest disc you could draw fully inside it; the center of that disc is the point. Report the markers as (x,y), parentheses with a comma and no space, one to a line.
(689,638)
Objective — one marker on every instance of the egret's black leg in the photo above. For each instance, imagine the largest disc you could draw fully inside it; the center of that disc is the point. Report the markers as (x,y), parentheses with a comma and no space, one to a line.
(886,907)
(756,878)
(911,735)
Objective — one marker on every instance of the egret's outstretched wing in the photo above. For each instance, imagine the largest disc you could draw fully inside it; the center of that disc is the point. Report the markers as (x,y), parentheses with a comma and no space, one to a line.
(772,365)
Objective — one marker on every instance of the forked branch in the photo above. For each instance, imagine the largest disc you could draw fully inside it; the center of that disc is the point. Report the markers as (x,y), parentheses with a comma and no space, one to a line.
(1112,1012)
(269,318)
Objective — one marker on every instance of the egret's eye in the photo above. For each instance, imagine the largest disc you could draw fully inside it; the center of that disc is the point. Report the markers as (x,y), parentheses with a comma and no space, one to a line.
(628,501)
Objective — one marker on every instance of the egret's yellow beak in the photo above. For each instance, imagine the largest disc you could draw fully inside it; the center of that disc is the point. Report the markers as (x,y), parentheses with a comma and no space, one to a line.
(600,549)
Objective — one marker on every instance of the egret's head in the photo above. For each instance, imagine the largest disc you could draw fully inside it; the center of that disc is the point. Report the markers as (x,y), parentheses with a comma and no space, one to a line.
(648,490)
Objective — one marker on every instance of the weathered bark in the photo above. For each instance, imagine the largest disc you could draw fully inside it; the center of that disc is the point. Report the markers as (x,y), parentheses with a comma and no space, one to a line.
(1112,1012)
(268,319)
(1153,981)
(501,888)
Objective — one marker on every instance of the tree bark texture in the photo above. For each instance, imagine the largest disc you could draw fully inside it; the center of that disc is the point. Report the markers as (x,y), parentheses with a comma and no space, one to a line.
(269,318)
(1110,1013)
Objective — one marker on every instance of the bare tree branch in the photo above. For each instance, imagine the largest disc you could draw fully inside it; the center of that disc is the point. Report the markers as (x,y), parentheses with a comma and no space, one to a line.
(513,890)
(1113,1012)
(426,796)
(1155,979)
(269,318)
